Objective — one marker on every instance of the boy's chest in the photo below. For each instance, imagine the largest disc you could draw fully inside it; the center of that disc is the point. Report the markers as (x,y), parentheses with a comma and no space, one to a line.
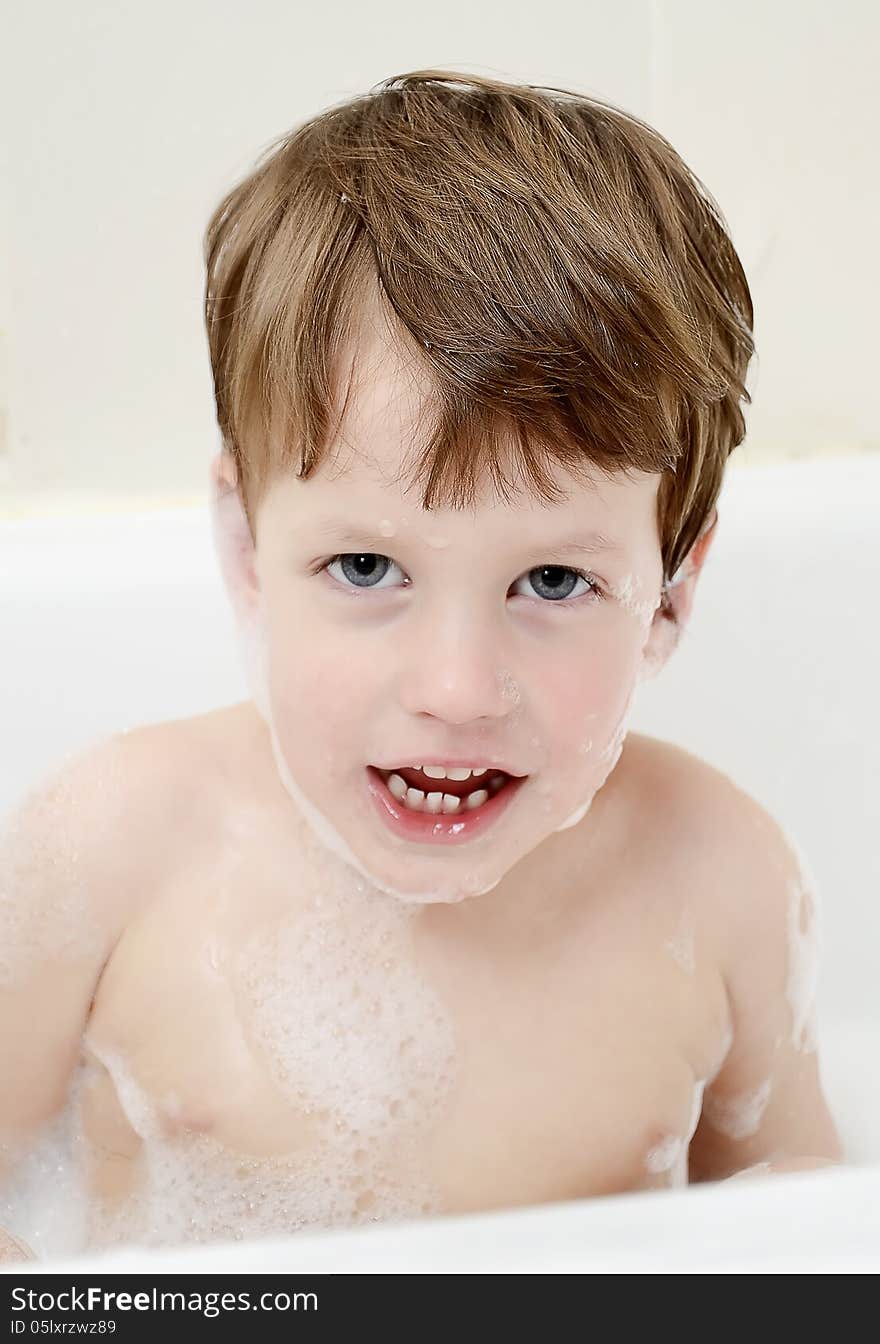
(335,1039)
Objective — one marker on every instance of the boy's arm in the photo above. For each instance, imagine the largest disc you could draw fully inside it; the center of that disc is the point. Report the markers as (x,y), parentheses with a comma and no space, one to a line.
(67,855)
(765,1108)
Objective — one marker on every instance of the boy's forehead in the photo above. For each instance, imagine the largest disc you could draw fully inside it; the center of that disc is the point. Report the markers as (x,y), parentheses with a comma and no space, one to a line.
(388,409)
(367,494)
(367,474)
(379,473)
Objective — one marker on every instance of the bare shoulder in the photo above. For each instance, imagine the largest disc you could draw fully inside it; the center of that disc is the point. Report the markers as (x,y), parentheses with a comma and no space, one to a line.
(171,769)
(758,903)
(718,839)
(117,810)
(78,853)
(214,757)
(690,798)
(652,761)
(202,771)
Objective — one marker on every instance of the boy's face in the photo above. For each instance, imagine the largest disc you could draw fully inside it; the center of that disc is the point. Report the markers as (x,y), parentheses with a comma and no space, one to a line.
(449,634)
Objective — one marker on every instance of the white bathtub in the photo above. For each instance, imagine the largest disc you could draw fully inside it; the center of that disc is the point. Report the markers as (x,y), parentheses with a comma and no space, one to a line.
(112,621)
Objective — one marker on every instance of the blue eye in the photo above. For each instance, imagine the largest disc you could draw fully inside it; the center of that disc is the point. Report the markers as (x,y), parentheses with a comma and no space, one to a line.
(559,581)
(362,569)
(367,569)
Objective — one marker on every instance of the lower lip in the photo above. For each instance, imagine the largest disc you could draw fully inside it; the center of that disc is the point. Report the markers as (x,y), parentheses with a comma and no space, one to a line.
(439,828)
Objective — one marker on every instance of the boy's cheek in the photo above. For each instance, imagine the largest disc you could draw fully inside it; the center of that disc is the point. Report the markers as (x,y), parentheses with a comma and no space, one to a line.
(304,692)
(590,704)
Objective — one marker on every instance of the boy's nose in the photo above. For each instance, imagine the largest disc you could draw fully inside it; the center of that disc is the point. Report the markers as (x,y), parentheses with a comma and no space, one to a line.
(458,678)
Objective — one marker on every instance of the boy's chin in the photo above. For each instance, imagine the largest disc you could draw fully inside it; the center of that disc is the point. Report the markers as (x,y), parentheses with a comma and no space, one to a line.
(422,880)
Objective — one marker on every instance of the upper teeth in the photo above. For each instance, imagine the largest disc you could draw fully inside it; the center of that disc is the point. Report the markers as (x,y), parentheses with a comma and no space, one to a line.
(458,772)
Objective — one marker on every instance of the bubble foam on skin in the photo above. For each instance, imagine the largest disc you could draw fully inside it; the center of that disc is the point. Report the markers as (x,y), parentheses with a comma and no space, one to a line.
(759,1169)
(349,1031)
(739,1117)
(369,1039)
(681,946)
(365,1053)
(804,945)
(608,756)
(578,814)
(63,927)
(43,1200)
(671,1154)
(626,593)
(723,1052)
(509,689)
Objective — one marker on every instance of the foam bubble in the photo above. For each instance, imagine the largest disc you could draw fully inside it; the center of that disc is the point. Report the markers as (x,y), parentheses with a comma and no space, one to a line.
(578,814)
(804,941)
(43,1199)
(345,976)
(627,591)
(354,1036)
(610,753)
(61,924)
(723,1052)
(351,1033)
(608,757)
(509,688)
(681,946)
(738,1117)
(665,1155)
(758,1169)
(671,1154)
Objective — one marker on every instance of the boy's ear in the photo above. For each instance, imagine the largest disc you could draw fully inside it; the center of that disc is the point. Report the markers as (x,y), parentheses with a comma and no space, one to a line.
(232,538)
(223,471)
(673,614)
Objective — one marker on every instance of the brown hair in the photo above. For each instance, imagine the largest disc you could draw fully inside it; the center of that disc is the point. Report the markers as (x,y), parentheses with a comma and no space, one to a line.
(560,272)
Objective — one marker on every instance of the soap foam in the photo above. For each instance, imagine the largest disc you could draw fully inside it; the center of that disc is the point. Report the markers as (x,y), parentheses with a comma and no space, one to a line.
(627,591)
(738,1117)
(681,946)
(804,943)
(723,1051)
(608,757)
(43,1199)
(38,923)
(350,1031)
(364,1050)
(353,1029)
(671,1154)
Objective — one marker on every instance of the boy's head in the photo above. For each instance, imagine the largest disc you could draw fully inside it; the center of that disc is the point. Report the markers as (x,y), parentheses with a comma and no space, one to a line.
(477,326)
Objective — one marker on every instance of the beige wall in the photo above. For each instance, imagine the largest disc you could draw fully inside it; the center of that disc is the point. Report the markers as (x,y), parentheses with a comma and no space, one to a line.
(124,124)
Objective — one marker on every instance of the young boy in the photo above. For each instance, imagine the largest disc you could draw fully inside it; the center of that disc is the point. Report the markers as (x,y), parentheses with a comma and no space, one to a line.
(420,928)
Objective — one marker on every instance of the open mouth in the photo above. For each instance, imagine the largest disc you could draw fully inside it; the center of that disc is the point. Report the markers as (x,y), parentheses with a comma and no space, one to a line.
(440,811)
(418,793)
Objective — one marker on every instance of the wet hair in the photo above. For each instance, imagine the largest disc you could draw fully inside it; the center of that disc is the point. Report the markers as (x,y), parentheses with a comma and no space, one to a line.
(565,280)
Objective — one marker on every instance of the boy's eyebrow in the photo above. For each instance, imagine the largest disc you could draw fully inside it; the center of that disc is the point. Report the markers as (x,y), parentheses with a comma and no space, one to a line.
(588,543)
